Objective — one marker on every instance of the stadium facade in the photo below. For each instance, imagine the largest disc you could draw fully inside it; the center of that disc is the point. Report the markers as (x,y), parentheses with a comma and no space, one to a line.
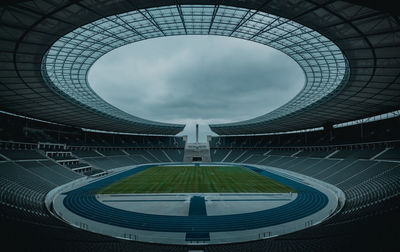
(349,52)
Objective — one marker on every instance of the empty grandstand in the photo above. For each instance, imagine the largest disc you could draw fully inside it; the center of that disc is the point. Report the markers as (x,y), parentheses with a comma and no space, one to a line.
(336,144)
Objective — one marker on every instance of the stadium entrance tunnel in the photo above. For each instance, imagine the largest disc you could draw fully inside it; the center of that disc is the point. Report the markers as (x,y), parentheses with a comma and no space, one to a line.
(126,205)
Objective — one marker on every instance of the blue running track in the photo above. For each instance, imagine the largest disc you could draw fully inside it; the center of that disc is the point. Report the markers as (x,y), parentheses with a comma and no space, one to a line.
(82,201)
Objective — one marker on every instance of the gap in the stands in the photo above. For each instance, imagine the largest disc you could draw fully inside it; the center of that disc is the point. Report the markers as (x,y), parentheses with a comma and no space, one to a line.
(196,80)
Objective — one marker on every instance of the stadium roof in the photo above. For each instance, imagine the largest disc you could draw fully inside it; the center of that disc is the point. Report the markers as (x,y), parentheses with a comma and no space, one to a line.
(350,55)
(369,39)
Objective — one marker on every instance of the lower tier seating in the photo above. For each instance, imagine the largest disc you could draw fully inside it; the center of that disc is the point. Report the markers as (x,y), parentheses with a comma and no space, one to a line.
(366,183)
(366,223)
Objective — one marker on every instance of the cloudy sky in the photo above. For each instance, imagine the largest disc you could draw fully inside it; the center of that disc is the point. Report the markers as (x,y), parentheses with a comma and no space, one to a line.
(196,79)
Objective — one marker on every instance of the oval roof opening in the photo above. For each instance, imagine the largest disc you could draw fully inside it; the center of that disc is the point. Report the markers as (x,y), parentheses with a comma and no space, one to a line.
(196,79)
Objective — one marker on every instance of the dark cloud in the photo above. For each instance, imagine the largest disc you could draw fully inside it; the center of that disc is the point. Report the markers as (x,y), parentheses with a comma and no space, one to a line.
(196,79)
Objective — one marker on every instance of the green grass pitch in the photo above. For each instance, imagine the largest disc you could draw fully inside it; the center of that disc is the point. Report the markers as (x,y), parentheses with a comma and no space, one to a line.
(192,179)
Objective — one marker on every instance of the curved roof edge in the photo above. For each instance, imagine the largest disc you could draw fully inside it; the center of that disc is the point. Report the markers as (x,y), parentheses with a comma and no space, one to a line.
(367,37)
(66,64)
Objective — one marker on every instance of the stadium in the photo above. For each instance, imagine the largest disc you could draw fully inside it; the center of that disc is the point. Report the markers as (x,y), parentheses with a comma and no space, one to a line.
(319,173)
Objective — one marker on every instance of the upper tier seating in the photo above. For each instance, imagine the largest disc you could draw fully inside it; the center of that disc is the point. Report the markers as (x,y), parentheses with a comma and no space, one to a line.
(111,152)
(85,153)
(218,154)
(175,154)
(148,156)
(22,154)
(233,155)
(391,154)
(318,154)
(362,154)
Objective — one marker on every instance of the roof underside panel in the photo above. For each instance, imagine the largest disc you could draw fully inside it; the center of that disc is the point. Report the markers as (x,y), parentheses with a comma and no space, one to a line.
(369,40)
